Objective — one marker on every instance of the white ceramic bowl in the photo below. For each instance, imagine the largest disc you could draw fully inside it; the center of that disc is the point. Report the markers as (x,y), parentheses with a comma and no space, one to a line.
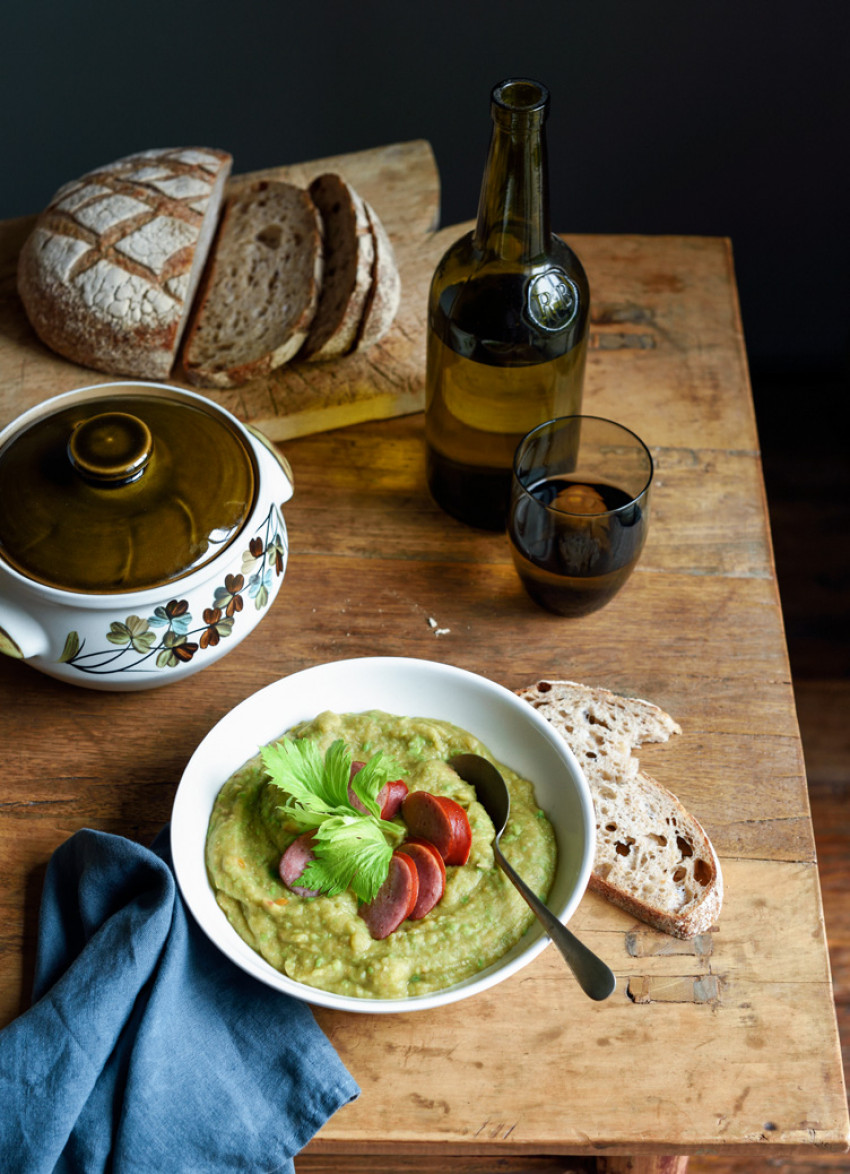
(153,636)
(511,729)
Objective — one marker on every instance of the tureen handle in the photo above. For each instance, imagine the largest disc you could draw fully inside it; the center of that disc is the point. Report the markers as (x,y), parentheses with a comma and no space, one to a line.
(20,635)
(278,456)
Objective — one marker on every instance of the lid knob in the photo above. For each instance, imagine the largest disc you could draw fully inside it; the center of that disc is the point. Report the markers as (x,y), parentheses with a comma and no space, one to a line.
(111,448)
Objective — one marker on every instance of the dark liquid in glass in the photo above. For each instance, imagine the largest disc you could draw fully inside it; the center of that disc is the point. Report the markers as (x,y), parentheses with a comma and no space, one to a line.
(573,563)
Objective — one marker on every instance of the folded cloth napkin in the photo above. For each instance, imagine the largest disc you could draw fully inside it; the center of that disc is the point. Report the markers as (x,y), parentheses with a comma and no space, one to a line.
(146,1050)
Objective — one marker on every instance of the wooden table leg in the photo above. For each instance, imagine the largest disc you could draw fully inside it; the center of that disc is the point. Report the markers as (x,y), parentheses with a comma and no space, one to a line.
(644,1164)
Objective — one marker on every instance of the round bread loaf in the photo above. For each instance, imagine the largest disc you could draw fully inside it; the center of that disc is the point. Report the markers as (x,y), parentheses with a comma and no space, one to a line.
(110,270)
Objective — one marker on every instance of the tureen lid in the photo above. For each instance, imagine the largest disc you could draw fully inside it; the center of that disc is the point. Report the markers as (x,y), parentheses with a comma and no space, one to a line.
(123,493)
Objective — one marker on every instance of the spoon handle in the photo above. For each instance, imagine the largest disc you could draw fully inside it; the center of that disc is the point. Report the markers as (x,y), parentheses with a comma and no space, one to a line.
(594,977)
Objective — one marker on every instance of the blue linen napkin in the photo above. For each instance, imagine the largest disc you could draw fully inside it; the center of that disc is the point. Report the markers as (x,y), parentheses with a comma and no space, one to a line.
(147,1051)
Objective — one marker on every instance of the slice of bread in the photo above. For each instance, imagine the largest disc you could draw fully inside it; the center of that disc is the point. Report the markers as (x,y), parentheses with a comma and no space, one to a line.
(108,274)
(653,859)
(384,295)
(349,260)
(261,288)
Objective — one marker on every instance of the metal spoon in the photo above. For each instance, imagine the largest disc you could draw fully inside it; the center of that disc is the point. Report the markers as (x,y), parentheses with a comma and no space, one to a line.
(594,977)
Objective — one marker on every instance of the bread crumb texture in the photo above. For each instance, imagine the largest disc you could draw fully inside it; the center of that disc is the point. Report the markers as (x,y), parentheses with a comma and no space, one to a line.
(261,289)
(653,858)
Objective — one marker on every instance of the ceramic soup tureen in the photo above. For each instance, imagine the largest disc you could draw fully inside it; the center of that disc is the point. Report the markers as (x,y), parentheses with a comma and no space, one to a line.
(141,534)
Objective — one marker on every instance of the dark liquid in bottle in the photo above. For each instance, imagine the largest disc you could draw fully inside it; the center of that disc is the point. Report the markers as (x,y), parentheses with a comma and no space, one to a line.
(493,375)
(573,563)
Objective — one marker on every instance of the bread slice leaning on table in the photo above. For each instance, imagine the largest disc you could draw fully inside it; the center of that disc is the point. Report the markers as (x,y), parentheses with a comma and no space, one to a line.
(653,858)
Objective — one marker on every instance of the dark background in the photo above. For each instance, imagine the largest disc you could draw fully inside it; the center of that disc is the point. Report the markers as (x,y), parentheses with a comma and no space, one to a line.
(727,117)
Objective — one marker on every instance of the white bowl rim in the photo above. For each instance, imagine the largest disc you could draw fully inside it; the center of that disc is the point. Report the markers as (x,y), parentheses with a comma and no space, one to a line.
(228,733)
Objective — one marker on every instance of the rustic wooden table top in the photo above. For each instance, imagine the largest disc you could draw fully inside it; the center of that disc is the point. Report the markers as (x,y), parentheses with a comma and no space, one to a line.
(727,1043)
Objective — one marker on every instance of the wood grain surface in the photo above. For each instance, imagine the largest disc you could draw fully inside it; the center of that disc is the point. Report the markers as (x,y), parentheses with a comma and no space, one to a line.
(727,1044)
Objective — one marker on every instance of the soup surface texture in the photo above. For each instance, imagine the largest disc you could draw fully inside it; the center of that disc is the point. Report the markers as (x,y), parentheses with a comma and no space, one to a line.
(321,941)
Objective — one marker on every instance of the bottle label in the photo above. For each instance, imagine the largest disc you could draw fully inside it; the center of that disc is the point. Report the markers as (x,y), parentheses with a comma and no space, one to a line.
(553,300)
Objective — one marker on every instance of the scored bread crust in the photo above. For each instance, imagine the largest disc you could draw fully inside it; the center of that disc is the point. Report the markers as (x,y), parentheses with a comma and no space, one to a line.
(349,258)
(260,291)
(110,269)
(653,858)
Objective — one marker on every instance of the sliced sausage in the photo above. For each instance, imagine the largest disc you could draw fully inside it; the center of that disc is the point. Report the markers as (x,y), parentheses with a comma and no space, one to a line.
(432,875)
(394,900)
(293,862)
(440,820)
(389,797)
(425,844)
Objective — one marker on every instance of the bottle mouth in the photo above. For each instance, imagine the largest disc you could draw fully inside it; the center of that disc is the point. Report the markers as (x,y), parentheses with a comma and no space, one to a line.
(521,95)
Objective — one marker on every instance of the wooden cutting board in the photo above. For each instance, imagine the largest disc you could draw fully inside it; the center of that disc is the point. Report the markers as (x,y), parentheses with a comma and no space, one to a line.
(402,183)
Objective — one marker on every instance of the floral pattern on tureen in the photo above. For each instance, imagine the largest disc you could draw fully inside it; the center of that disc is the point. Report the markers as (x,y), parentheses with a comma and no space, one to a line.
(170,636)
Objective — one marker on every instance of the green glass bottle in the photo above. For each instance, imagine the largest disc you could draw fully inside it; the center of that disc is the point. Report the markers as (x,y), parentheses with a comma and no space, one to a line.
(508,317)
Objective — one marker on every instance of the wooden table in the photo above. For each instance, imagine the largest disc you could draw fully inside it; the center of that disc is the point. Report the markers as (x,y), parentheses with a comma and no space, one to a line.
(725,1044)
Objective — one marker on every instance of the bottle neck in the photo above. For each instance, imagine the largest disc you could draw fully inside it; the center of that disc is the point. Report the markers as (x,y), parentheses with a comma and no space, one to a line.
(513,210)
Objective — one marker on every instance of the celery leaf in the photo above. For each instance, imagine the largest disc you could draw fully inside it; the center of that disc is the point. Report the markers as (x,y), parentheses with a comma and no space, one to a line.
(351,849)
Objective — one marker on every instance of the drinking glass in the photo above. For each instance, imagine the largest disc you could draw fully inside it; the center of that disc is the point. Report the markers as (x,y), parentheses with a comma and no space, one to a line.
(579,511)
